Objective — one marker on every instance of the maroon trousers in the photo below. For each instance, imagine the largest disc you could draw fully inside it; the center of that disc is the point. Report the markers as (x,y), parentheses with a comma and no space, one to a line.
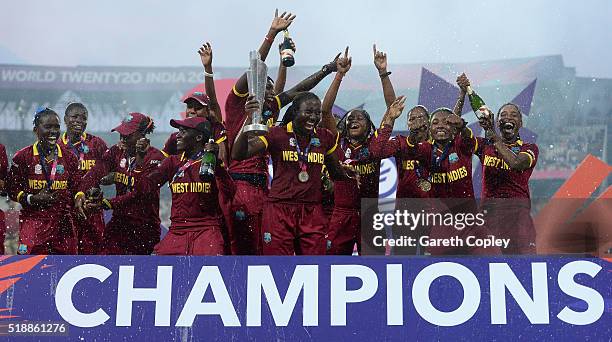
(205,240)
(89,233)
(246,219)
(52,235)
(292,228)
(512,220)
(122,237)
(344,231)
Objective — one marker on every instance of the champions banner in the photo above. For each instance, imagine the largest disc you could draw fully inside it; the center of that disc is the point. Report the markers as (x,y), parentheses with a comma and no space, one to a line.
(305,298)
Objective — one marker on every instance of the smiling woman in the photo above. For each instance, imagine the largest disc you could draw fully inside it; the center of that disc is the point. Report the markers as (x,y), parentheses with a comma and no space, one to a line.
(43,179)
(88,148)
(134,226)
(293,220)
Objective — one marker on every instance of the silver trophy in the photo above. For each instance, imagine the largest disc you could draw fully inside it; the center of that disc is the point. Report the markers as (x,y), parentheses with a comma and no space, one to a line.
(257,78)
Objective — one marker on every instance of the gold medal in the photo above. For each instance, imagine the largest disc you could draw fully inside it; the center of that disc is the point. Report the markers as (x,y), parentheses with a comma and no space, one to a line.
(303,176)
(424,185)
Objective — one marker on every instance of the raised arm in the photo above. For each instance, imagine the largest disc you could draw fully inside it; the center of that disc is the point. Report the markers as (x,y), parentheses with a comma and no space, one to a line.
(460,125)
(393,112)
(343,65)
(380,61)
(279,23)
(152,179)
(308,83)
(382,145)
(281,78)
(206,56)
(463,82)
(247,145)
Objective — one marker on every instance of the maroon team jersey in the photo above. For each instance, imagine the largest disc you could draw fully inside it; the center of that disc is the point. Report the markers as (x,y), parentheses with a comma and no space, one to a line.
(194,203)
(235,117)
(366,163)
(127,204)
(499,181)
(409,170)
(281,144)
(218,134)
(27,176)
(452,176)
(88,150)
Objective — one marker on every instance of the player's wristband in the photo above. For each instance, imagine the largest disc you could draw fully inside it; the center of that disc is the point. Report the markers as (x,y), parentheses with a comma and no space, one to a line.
(206,74)
(385,74)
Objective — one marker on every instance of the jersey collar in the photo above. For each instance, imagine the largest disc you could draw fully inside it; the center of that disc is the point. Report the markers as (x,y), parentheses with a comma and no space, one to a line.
(35,149)
(65,138)
(519,142)
(290,128)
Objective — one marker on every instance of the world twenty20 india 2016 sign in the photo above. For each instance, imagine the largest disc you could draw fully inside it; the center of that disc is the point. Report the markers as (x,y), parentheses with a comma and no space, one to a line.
(305,298)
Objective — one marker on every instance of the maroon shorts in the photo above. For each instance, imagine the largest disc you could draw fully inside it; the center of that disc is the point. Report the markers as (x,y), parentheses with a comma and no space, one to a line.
(125,238)
(206,240)
(513,222)
(54,235)
(344,231)
(290,228)
(246,217)
(89,233)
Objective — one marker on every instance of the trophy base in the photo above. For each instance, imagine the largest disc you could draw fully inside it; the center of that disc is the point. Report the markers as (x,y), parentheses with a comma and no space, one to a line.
(257,129)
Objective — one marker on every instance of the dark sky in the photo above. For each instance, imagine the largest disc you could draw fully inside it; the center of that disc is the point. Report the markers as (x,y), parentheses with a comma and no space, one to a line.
(168,33)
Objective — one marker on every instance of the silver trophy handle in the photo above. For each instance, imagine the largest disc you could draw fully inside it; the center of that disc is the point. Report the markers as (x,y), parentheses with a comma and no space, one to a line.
(257,78)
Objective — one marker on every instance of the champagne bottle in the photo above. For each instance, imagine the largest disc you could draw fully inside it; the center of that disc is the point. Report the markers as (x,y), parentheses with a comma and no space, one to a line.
(476,102)
(207,165)
(287,51)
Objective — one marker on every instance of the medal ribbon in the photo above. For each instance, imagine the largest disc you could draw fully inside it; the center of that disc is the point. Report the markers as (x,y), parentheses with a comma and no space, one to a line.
(185,166)
(131,165)
(418,171)
(49,176)
(302,157)
(79,152)
(362,156)
(436,161)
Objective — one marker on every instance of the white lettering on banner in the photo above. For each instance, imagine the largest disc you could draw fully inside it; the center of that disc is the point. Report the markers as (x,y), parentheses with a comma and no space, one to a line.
(306,281)
(222,306)
(305,277)
(101,77)
(535,309)
(340,296)
(76,76)
(593,299)
(128,294)
(174,77)
(395,295)
(12,75)
(471,294)
(63,295)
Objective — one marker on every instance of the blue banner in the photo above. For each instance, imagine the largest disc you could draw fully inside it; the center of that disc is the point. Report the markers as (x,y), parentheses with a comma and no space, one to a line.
(307,298)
